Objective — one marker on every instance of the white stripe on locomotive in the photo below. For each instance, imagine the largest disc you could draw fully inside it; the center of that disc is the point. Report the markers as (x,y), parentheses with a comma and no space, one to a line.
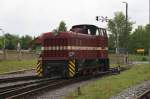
(73,48)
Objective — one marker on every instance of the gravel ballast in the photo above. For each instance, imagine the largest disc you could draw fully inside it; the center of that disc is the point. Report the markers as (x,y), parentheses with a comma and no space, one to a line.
(133,92)
(59,93)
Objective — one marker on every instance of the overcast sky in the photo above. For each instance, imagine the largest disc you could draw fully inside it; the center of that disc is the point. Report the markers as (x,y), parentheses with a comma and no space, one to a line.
(33,17)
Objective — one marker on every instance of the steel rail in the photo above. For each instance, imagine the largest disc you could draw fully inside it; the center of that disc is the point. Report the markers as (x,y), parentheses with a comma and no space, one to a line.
(15,86)
(144,95)
(15,79)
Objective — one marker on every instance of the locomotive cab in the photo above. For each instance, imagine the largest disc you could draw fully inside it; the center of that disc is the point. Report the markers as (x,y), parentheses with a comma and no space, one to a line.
(89,29)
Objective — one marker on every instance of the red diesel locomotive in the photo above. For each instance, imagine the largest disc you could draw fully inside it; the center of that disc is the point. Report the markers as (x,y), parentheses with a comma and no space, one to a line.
(81,51)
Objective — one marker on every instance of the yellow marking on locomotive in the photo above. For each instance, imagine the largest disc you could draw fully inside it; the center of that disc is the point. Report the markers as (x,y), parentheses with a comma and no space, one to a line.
(71,68)
(70,74)
(38,62)
(39,69)
(71,71)
(38,65)
(40,74)
(71,63)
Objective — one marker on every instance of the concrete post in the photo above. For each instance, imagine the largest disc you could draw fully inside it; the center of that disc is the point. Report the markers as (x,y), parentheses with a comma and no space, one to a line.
(4,54)
(79,91)
(126,58)
(19,55)
(19,50)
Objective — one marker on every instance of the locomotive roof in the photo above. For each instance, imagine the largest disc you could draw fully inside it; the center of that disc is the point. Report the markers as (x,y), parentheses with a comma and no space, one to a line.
(65,34)
(69,33)
(74,33)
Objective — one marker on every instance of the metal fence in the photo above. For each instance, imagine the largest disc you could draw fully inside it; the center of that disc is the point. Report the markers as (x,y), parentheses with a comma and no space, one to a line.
(17,55)
(118,59)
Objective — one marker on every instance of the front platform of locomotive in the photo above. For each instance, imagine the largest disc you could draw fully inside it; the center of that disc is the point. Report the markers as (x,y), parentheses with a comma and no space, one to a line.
(54,56)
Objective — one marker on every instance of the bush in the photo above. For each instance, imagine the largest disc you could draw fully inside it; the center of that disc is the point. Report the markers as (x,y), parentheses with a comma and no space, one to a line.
(144,59)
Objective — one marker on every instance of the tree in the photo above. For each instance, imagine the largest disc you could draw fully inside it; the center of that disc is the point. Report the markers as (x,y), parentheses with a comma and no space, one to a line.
(140,39)
(1,42)
(111,42)
(117,27)
(25,41)
(11,41)
(62,27)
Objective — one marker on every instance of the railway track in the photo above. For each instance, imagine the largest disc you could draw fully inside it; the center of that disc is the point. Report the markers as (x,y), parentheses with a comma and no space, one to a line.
(18,90)
(21,84)
(38,84)
(33,87)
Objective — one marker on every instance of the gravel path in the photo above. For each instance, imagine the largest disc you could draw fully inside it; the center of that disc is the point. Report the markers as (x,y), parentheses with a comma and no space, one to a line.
(133,92)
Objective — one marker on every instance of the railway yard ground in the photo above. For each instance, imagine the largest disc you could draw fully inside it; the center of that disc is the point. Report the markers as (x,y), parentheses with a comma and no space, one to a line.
(30,62)
(110,86)
(113,86)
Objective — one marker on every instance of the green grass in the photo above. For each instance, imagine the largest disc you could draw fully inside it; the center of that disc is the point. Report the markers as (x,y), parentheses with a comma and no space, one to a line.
(137,57)
(106,87)
(13,65)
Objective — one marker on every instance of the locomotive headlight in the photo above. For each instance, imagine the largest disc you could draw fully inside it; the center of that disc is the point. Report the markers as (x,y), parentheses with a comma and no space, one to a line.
(71,54)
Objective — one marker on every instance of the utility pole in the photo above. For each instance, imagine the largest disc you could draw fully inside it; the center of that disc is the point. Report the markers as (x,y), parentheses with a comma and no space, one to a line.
(149,12)
(126,31)
(126,15)
(126,21)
